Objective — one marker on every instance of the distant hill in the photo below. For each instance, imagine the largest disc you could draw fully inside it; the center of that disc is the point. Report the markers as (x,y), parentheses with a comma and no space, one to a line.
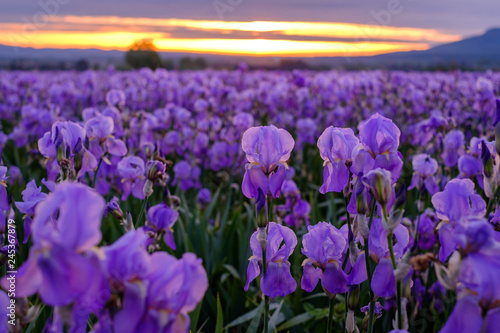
(478,52)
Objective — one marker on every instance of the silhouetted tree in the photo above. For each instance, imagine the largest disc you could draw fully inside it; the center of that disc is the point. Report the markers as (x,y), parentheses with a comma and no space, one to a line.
(143,54)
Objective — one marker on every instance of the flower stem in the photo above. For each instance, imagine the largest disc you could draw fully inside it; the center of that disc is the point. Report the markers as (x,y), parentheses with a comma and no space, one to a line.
(143,209)
(491,201)
(344,264)
(96,171)
(266,298)
(264,268)
(330,314)
(415,245)
(398,283)
(369,273)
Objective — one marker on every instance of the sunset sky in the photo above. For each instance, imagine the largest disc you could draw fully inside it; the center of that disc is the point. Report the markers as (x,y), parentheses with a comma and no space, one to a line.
(245,27)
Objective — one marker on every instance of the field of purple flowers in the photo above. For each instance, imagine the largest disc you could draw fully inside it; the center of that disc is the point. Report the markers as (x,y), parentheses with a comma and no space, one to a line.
(249,201)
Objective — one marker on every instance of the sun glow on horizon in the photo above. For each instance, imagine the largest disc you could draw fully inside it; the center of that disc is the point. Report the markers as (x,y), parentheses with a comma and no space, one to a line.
(224,37)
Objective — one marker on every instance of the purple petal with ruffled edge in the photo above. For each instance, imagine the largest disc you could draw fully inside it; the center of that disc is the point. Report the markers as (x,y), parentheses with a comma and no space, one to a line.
(358,273)
(334,279)
(466,317)
(335,176)
(448,244)
(254,179)
(276,181)
(253,271)
(278,280)
(310,277)
(134,306)
(116,147)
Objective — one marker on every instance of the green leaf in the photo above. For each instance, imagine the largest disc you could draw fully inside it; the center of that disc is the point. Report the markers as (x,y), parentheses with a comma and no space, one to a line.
(233,271)
(220,320)
(275,317)
(320,295)
(254,324)
(247,316)
(32,324)
(297,320)
(211,206)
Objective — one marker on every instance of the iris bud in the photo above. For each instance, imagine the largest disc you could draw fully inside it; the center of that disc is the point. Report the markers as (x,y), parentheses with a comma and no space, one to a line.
(155,170)
(353,297)
(361,196)
(487,161)
(379,182)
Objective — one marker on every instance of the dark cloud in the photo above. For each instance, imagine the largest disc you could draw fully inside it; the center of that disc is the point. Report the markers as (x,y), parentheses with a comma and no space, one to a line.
(454,16)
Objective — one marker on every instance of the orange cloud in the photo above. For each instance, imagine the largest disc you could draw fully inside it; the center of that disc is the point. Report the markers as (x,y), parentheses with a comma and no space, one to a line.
(342,39)
(320,29)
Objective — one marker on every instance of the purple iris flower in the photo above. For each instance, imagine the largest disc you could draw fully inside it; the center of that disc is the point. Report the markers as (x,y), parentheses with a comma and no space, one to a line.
(219,156)
(426,235)
(300,214)
(480,265)
(295,211)
(325,247)
(453,147)
(243,121)
(131,169)
(475,311)
(186,175)
(171,143)
(267,148)
(470,166)
(161,218)
(458,200)
(204,197)
(277,281)
(425,168)
(89,113)
(65,140)
(457,203)
(99,131)
(377,310)
(306,131)
(32,195)
(161,303)
(335,147)
(468,316)
(378,147)
(15,175)
(200,145)
(115,97)
(63,267)
(126,260)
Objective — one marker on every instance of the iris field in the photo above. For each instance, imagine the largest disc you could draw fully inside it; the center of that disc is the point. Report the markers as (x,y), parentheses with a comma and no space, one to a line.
(249,201)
